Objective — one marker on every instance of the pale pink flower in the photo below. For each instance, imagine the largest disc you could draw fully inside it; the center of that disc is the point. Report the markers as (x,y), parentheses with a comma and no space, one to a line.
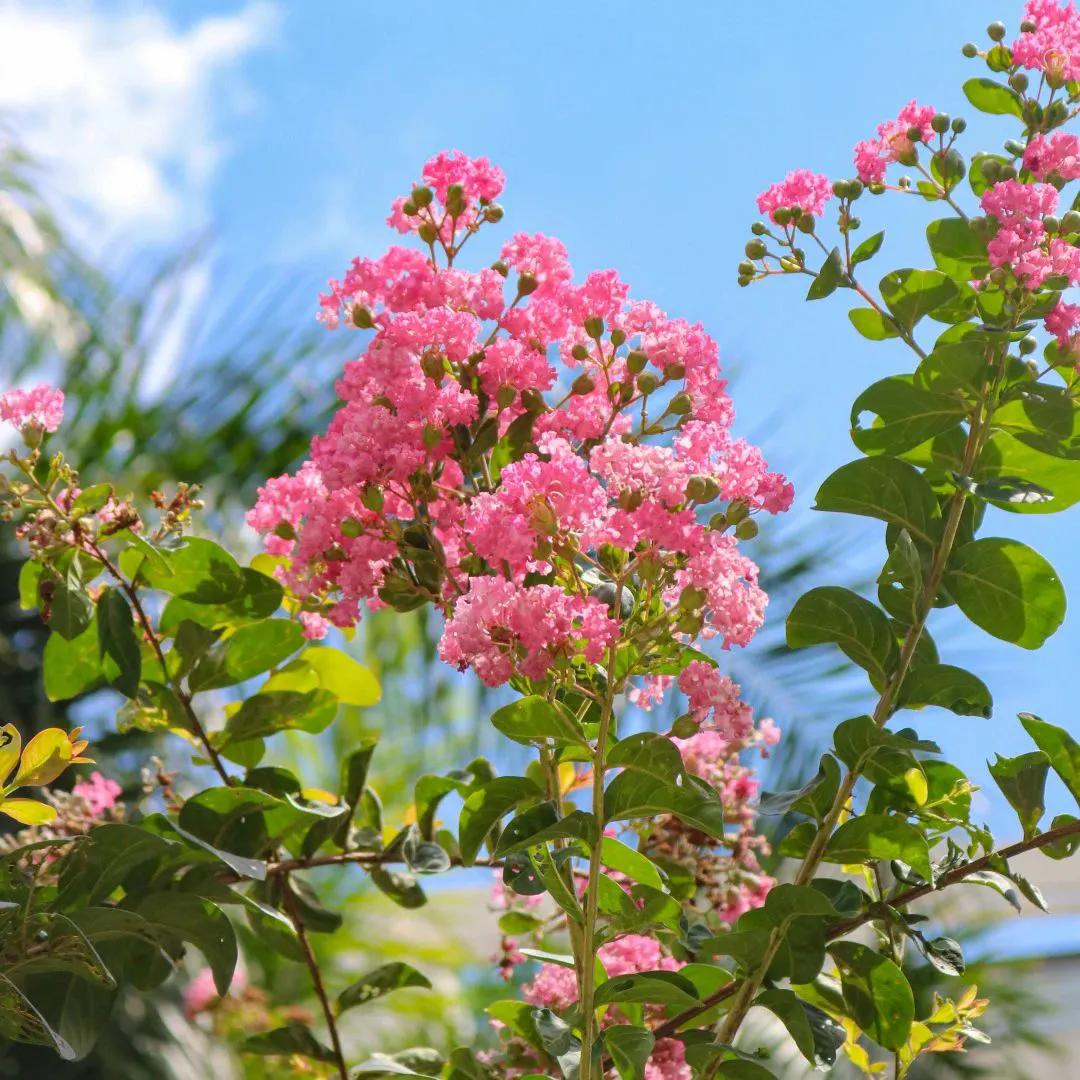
(41,407)
(98,792)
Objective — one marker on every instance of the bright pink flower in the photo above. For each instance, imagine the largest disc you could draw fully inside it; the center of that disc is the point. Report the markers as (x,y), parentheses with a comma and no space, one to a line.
(802,188)
(41,407)
(1057,154)
(1054,45)
(98,792)
(872,156)
(315,626)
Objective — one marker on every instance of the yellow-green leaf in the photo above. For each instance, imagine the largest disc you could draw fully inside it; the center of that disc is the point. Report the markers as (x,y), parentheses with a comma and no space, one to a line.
(351,683)
(28,811)
(46,756)
(10,748)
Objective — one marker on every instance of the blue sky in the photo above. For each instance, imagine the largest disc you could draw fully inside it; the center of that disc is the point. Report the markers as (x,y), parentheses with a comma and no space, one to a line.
(637,132)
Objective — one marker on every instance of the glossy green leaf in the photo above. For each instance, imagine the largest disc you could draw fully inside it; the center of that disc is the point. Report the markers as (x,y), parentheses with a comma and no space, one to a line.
(483,809)
(829,277)
(877,993)
(293,1038)
(913,294)
(948,687)
(649,987)
(200,571)
(376,984)
(877,838)
(247,652)
(204,924)
(282,710)
(1008,589)
(904,415)
(1059,746)
(958,249)
(71,667)
(872,324)
(1022,781)
(121,662)
(867,249)
(814,1032)
(629,1048)
(992,97)
(533,719)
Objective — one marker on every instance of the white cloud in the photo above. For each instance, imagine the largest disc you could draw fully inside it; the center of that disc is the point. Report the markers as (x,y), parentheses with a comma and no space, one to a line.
(123,109)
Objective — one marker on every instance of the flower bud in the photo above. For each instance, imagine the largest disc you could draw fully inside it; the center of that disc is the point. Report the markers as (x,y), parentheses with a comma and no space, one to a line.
(742,281)
(636,361)
(361,317)
(718,522)
(1070,223)
(1014,147)
(428,233)
(746,268)
(1027,26)
(940,122)
(875,187)
(805,223)
(1008,172)
(433,365)
(746,530)
(533,401)
(692,599)
(351,528)
(1027,346)
(702,489)
(409,208)
(618,337)
(996,31)
(759,228)
(494,212)
(675,371)
(680,404)
(1018,81)
(614,390)
(500,268)
(737,511)
(839,188)
(372,498)
(606,593)
(421,196)
(282,529)
(583,384)
(647,382)
(527,284)
(914,134)
(959,125)
(1051,223)
(782,216)
(755,249)
(505,396)
(998,276)
(594,327)
(789,265)
(630,498)
(579,352)
(970,50)
(689,623)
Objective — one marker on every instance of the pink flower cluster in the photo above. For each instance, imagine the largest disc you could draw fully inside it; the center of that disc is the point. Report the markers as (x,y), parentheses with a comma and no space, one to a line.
(873,156)
(1054,45)
(416,488)
(1054,155)
(807,190)
(98,792)
(1021,244)
(40,408)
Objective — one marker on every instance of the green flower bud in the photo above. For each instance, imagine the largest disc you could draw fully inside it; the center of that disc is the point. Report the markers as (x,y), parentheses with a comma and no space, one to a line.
(1018,81)
(533,401)
(692,599)
(970,50)
(630,499)
(527,284)
(789,265)
(282,529)
(782,216)
(746,268)
(500,268)
(1008,172)
(1070,223)
(759,228)
(854,189)
(579,352)
(702,489)
(742,281)
(1027,346)
(755,249)
(433,365)
(685,727)
(875,187)
(959,125)
(806,223)
(1012,146)
(995,31)
(583,384)
(505,396)
(421,196)
(680,404)
(1051,223)
(409,208)
(594,327)
(746,530)
(940,123)
(647,382)
(991,169)
(428,233)
(1027,27)
(914,134)
(839,188)
(737,512)
(718,521)
(351,528)
(675,371)
(618,337)
(372,498)
(494,212)
(361,317)
(636,361)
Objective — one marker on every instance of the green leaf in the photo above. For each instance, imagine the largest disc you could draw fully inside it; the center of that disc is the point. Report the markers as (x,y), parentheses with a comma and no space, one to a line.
(629,1048)
(958,249)
(375,984)
(29,579)
(830,615)
(200,571)
(533,719)
(71,667)
(814,1032)
(1022,781)
(280,710)
(913,294)
(944,953)
(483,809)
(829,277)
(649,987)
(616,855)
(991,97)
(204,924)
(349,681)
(541,825)
(877,993)
(636,794)
(905,415)
(884,488)
(293,1038)
(246,653)
(877,838)
(867,249)
(1063,848)
(401,888)
(259,597)
(872,324)
(948,687)
(1008,589)
(70,608)
(117,645)
(1059,746)
(1010,490)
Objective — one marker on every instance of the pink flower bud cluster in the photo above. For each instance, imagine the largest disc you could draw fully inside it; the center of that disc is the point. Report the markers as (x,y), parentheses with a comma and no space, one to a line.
(1021,243)
(499,430)
(1053,46)
(873,156)
(41,408)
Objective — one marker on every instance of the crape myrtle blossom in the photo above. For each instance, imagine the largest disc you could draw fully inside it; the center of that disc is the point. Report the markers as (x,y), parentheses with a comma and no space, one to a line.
(41,408)
(1055,155)
(894,142)
(509,425)
(1053,45)
(801,188)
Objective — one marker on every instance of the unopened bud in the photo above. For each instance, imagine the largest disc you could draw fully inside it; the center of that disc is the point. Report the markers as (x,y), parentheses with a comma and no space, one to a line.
(1051,223)
(630,498)
(755,249)
(583,384)
(959,125)
(421,196)
(284,530)
(533,400)
(647,382)
(409,208)
(351,528)
(494,212)
(702,489)
(1070,223)
(680,404)
(433,365)
(618,337)
(527,284)
(996,31)
(579,352)
(594,327)
(718,522)
(361,317)
(1018,81)
(806,223)
(759,228)
(689,622)
(970,50)
(636,361)
(940,122)
(782,216)
(737,511)
(675,371)
(746,530)
(1028,345)
(428,233)
(1027,27)
(500,268)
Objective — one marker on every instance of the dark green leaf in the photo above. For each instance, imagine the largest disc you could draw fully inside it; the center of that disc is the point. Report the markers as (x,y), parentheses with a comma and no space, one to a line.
(877,993)
(814,1032)
(946,686)
(71,667)
(867,249)
(877,838)
(204,924)
(248,652)
(1022,781)
(294,1038)
(200,571)
(483,809)
(904,415)
(829,277)
(1059,746)
(913,294)
(533,719)
(629,1048)
(958,249)
(375,984)
(280,710)
(117,644)
(401,888)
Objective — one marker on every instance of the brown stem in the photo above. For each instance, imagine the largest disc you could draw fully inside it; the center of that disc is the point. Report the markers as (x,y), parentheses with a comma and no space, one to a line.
(316,980)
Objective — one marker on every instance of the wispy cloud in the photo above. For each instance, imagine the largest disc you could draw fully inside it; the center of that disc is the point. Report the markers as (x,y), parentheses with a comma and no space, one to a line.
(125,110)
